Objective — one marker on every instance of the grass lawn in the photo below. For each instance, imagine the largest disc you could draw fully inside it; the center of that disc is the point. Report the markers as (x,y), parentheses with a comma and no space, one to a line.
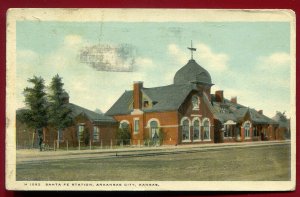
(265,163)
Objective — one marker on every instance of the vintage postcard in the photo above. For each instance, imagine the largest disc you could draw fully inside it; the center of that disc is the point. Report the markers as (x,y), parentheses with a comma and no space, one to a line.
(150,99)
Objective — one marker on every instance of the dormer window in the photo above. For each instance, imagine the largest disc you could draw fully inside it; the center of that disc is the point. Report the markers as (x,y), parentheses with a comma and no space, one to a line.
(154,102)
(146,104)
(223,110)
(195,102)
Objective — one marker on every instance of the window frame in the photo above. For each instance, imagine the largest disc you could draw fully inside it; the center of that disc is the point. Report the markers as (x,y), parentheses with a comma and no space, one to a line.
(98,134)
(136,126)
(248,131)
(199,129)
(204,129)
(79,132)
(196,105)
(184,119)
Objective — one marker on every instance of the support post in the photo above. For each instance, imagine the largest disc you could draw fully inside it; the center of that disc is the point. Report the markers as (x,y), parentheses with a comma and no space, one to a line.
(67,145)
(78,144)
(90,144)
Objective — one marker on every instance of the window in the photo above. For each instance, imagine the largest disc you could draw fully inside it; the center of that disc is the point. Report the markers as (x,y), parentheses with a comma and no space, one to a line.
(206,129)
(255,132)
(80,132)
(223,110)
(247,129)
(186,130)
(196,130)
(146,104)
(195,102)
(136,125)
(96,134)
(124,125)
(229,130)
(154,130)
(226,131)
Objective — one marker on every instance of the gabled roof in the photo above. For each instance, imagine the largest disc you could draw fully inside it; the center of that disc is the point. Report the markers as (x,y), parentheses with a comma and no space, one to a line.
(260,118)
(237,113)
(77,110)
(92,116)
(166,98)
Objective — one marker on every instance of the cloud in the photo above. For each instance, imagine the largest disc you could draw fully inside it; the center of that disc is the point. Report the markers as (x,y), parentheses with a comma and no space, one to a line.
(274,69)
(72,40)
(278,60)
(212,61)
(176,52)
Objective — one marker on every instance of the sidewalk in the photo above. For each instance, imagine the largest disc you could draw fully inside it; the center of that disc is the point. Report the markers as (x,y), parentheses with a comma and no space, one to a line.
(31,155)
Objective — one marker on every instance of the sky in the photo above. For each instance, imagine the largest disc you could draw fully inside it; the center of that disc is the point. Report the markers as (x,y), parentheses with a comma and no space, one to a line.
(250,60)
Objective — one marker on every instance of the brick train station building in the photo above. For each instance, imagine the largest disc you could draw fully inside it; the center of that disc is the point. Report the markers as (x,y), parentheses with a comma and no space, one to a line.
(185,112)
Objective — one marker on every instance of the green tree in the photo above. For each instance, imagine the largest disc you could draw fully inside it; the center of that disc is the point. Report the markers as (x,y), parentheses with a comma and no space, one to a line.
(35,99)
(59,113)
(123,135)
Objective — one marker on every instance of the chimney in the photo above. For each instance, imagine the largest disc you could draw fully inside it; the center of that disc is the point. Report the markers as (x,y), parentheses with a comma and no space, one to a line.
(233,100)
(137,94)
(219,96)
(261,112)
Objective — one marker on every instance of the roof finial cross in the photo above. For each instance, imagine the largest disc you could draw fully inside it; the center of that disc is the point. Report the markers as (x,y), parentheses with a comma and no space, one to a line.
(192,49)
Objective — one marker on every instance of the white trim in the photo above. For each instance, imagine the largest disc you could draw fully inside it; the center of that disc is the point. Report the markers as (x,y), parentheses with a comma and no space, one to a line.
(137,112)
(230,122)
(169,126)
(204,119)
(122,121)
(197,140)
(153,119)
(185,141)
(181,123)
(197,107)
(247,121)
(183,119)
(196,115)
(199,128)
(165,126)
(196,118)
(209,125)
(243,126)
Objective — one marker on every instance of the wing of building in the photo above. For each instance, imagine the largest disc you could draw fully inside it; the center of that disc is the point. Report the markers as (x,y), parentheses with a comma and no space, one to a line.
(88,129)
(187,112)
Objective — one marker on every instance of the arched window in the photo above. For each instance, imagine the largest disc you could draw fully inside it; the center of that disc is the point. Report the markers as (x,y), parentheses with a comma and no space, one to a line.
(247,126)
(186,130)
(196,129)
(195,102)
(124,124)
(154,132)
(206,129)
